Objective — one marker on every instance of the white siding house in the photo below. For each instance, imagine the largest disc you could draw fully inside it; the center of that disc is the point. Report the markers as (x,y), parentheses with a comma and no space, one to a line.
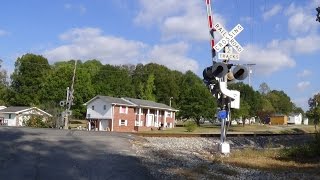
(99,109)
(15,116)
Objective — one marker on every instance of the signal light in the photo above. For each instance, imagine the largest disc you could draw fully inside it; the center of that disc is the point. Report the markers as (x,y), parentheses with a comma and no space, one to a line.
(218,70)
(240,72)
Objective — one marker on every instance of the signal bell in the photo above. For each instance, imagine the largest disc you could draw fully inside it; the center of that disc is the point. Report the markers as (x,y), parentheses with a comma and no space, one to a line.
(218,70)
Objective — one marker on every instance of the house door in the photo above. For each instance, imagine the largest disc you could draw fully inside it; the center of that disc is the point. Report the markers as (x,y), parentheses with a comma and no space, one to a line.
(150,120)
(104,125)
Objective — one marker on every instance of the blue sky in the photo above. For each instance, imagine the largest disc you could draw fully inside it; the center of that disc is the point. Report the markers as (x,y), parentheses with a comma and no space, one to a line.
(281,37)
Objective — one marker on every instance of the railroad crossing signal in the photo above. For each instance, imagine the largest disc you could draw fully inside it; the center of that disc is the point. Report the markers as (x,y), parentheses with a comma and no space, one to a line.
(228,37)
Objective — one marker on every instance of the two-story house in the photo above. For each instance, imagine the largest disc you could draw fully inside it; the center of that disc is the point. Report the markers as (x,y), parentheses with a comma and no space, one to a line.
(105,113)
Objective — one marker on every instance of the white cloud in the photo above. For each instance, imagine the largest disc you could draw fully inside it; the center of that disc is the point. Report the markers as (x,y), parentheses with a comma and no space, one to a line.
(303,45)
(174,57)
(272,12)
(79,7)
(187,20)
(90,43)
(246,19)
(303,85)
(301,19)
(304,73)
(153,12)
(3,32)
(268,60)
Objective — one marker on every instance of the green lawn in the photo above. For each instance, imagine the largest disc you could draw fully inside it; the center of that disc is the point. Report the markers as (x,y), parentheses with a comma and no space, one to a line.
(213,129)
(73,124)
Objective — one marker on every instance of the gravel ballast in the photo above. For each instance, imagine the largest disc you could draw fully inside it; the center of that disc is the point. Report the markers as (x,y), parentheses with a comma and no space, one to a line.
(188,158)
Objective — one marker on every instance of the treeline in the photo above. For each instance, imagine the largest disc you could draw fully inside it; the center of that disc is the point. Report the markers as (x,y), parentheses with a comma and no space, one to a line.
(35,82)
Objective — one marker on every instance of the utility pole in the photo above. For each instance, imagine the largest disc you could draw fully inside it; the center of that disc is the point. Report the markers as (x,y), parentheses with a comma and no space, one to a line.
(69,99)
(250,71)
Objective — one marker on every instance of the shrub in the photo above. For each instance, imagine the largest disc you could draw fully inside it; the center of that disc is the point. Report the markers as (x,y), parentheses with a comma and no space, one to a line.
(190,126)
(309,150)
(35,121)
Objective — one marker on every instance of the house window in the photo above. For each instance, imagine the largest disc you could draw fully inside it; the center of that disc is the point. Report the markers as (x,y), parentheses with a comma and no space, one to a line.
(169,114)
(123,122)
(104,107)
(92,107)
(88,115)
(123,110)
(9,116)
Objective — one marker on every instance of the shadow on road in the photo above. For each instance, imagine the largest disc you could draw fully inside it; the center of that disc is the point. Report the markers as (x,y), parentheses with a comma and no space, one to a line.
(58,154)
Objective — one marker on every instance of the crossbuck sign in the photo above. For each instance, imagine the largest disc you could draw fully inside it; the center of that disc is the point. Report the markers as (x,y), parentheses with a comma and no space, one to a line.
(228,38)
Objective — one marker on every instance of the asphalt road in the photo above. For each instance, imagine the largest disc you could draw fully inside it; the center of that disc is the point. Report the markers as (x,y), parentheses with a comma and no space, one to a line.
(45,154)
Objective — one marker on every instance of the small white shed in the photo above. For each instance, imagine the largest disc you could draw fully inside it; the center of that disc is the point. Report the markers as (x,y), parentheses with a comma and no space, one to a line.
(295,119)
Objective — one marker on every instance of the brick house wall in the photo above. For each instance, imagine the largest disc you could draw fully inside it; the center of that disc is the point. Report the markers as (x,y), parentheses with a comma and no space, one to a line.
(171,119)
(129,116)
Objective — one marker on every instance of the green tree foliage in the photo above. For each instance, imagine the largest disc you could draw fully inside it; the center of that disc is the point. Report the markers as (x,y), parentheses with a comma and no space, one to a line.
(242,112)
(250,99)
(150,88)
(314,110)
(35,82)
(266,109)
(27,79)
(113,81)
(166,82)
(3,84)
(196,101)
(280,101)
(264,88)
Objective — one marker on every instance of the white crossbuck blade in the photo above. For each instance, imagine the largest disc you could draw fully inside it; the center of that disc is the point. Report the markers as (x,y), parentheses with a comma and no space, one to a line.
(228,37)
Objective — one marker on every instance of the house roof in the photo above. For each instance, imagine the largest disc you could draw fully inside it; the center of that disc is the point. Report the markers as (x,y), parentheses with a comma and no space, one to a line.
(132,102)
(111,100)
(14,109)
(151,104)
(19,109)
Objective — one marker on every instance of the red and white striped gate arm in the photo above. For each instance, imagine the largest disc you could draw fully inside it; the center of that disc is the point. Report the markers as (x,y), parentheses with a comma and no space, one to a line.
(211,29)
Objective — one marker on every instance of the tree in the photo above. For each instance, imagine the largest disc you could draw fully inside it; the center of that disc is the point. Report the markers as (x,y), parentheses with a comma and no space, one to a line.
(113,81)
(3,85)
(264,88)
(297,110)
(266,109)
(251,98)
(314,109)
(280,101)
(27,79)
(243,112)
(149,88)
(166,82)
(196,101)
